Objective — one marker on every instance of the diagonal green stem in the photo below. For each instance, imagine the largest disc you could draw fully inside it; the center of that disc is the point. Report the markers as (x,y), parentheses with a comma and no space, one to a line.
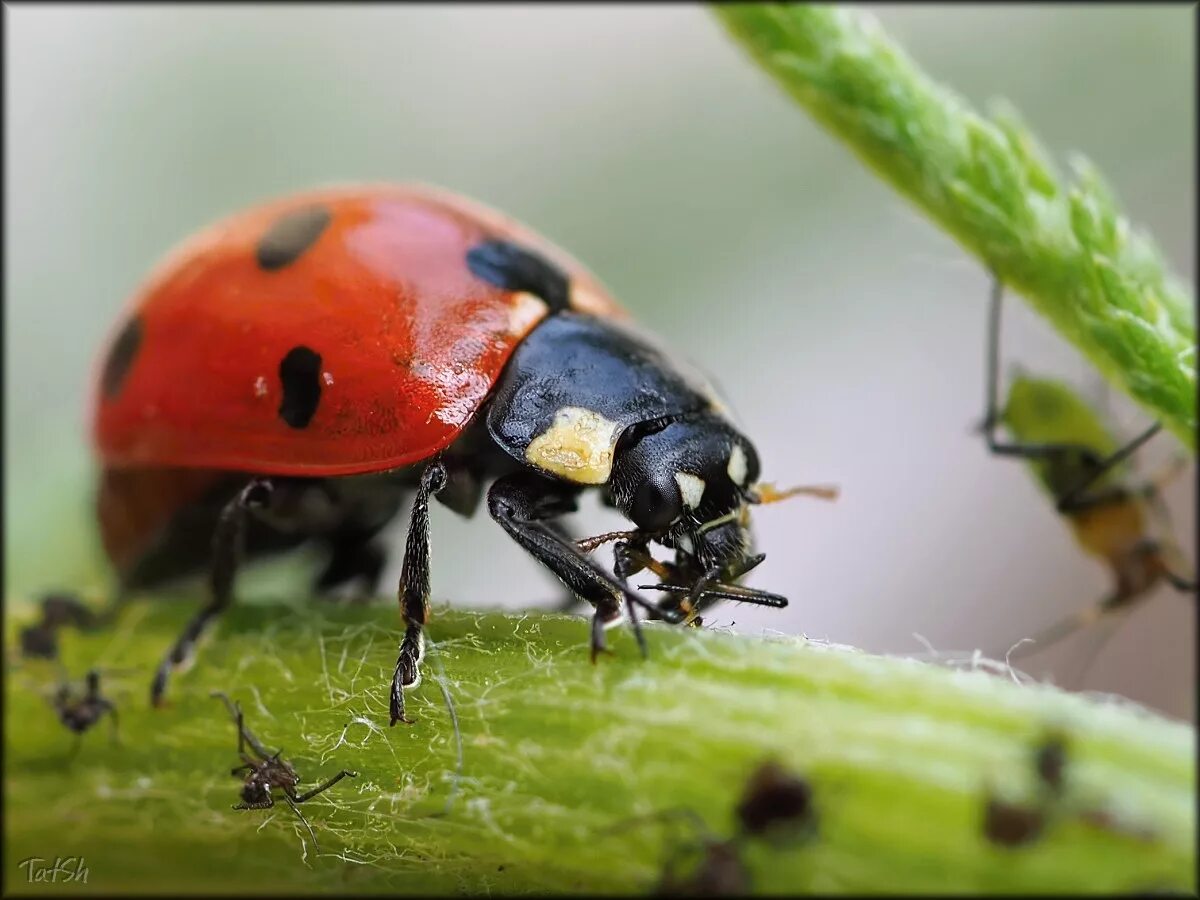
(560,755)
(1065,246)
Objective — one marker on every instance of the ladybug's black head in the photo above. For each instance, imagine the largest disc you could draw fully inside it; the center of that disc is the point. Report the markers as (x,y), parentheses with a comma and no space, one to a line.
(688,483)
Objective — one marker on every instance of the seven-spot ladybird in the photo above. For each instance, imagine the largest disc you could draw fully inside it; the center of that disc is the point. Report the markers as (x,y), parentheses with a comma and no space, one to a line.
(294,371)
(1080,464)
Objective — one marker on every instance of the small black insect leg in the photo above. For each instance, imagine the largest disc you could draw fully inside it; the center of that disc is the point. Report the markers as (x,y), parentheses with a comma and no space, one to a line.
(521,503)
(114,735)
(300,816)
(75,748)
(228,542)
(245,735)
(414,590)
(308,795)
(1076,498)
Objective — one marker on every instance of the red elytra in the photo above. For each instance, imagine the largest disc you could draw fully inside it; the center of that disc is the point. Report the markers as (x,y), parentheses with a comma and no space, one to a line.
(409,341)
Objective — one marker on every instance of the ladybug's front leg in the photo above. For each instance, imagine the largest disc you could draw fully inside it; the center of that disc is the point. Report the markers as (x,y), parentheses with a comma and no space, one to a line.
(520,503)
(414,589)
(228,542)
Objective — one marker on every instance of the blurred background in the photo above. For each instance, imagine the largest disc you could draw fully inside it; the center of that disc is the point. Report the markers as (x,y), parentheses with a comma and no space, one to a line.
(846,329)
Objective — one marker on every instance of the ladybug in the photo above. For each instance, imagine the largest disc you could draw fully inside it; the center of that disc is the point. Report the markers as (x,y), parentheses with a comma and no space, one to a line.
(298,371)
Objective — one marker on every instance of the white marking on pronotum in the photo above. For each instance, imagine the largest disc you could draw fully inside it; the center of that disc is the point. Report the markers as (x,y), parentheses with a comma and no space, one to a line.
(578,446)
(525,312)
(691,488)
(737,465)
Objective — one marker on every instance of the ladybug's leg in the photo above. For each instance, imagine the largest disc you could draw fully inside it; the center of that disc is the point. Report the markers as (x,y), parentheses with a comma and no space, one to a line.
(521,503)
(569,601)
(356,555)
(1084,459)
(414,589)
(228,541)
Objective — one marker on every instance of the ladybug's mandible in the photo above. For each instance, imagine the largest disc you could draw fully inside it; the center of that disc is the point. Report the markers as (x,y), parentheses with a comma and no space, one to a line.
(293,372)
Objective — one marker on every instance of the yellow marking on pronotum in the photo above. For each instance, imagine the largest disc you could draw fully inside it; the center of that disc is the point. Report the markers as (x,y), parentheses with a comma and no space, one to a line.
(578,446)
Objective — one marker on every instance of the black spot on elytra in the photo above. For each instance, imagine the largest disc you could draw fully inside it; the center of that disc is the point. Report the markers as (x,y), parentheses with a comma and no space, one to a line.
(513,268)
(290,235)
(120,357)
(300,374)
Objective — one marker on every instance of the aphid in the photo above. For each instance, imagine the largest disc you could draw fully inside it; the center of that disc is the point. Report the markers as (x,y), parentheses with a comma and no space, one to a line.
(699,865)
(1078,462)
(1017,824)
(1012,824)
(297,371)
(718,872)
(57,610)
(264,772)
(776,803)
(79,712)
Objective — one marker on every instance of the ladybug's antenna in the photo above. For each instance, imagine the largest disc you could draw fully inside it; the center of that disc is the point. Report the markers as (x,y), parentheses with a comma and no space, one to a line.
(587,545)
(764,492)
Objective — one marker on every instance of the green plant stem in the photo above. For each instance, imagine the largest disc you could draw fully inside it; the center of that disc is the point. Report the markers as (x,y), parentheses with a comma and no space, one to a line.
(559,755)
(985,180)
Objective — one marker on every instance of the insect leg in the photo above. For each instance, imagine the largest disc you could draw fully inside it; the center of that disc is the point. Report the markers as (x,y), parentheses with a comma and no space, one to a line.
(414,589)
(1075,499)
(265,804)
(1187,585)
(568,602)
(356,555)
(300,815)
(308,795)
(521,503)
(1068,625)
(633,555)
(245,735)
(228,541)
